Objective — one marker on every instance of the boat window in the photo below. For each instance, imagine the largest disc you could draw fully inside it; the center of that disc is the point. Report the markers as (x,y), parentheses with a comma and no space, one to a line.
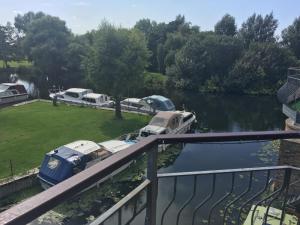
(158,121)
(14,92)
(175,122)
(169,104)
(106,98)
(72,94)
(101,153)
(136,105)
(91,100)
(125,103)
(145,134)
(188,117)
(21,89)
(53,163)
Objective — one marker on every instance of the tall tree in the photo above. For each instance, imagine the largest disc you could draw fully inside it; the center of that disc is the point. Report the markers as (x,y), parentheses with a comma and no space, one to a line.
(291,37)
(22,22)
(46,41)
(116,61)
(8,43)
(259,29)
(262,69)
(226,26)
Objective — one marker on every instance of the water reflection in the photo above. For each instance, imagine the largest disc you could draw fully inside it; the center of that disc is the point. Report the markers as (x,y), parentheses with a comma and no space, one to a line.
(233,113)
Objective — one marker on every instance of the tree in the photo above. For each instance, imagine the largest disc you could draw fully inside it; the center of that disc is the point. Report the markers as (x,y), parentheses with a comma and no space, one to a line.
(258,29)
(205,59)
(8,43)
(22,22)
(45,43)
(291,37)
(116,61)
(262,69)
(226,26)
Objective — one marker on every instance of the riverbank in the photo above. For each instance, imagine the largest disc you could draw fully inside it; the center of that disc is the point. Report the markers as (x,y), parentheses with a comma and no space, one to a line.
(28,131)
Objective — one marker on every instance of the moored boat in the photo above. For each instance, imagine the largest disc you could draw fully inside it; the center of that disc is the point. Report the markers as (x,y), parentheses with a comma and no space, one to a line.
(81,96)
(70,159)
(151,104)
(12,92)
(168,122)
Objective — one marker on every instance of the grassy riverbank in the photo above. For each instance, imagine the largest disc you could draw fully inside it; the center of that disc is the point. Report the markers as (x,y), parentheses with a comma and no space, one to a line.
(27,132)
(296,105)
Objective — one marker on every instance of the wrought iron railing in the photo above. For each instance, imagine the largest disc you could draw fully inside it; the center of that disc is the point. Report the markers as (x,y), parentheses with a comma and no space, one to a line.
(235,201)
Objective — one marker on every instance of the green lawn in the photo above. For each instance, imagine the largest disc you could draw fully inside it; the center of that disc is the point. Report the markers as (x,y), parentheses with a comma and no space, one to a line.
(16,64)
(27,132)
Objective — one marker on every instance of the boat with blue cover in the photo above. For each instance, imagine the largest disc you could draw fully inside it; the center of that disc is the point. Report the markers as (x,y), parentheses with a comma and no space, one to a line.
(70,159)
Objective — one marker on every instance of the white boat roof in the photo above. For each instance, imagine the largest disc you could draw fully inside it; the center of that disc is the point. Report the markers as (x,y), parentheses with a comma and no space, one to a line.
(132,100)
(115,145)
(77,90)
(11,84)
(83,146)
(93,95)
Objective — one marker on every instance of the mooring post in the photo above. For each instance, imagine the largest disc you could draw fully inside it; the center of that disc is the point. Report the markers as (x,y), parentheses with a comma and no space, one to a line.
(152,188)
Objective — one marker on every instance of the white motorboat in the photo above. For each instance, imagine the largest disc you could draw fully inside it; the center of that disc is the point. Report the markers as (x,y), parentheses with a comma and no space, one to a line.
(70,159)
(168,122)
(81,96)
(12,92)
(151,104)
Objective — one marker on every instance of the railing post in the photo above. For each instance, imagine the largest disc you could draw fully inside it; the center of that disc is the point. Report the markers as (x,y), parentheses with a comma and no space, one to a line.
(152,188)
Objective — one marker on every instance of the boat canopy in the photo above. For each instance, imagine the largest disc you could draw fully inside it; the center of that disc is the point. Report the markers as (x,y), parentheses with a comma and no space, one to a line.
(160,103)
(165,119)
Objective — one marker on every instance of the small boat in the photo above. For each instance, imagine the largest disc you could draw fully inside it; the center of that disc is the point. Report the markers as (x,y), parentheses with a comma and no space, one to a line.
(12,92)
(168,122)
(150,104)
(274,216)
(81,96)
(70,159)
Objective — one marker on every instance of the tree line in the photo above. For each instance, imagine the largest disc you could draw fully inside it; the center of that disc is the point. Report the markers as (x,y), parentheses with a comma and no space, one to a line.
(251,59)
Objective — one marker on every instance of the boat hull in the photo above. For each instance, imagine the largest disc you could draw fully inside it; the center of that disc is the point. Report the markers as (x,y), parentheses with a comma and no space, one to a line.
(14,98)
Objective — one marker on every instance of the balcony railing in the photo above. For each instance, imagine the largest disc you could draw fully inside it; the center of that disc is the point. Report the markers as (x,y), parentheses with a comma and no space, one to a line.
(212,206)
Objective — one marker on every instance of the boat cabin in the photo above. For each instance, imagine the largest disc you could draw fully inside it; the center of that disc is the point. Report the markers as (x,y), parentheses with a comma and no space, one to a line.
(93,98)
(76,93)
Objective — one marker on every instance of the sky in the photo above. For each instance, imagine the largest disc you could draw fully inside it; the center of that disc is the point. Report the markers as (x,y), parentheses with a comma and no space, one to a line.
(85,15)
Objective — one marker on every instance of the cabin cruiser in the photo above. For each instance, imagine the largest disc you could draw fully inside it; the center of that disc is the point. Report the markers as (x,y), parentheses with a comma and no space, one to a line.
(168,122)
(70,159)
(150,104)
(82,96)
(12,92)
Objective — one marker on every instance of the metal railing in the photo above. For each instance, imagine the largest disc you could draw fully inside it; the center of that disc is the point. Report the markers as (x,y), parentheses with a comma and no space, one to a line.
(36,206)
(290,91)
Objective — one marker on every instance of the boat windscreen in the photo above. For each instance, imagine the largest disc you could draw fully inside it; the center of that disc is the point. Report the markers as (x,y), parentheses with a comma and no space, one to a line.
(159,121)
(53,163)
(3,87)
